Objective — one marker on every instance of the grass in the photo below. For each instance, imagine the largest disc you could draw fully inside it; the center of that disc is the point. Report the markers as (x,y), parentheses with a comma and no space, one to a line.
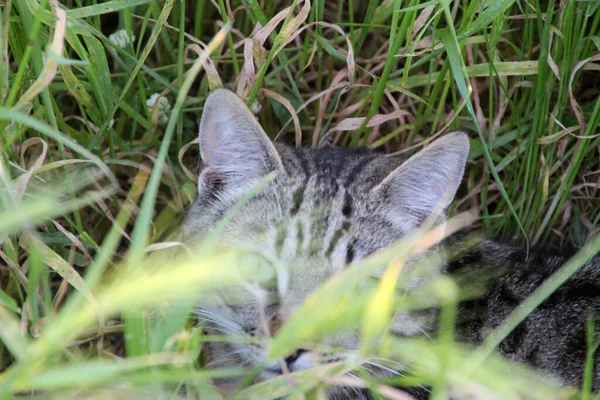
(95,183)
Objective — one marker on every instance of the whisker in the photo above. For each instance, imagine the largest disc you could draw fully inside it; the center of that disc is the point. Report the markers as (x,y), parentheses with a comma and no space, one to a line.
(218,318)
(230,357)
(390,362)
(426,334)
(370,371)
(394,372)
(206,316)
(384,368)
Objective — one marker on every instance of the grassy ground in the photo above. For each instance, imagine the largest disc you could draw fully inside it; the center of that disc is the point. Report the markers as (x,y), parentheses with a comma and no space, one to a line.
(95,182)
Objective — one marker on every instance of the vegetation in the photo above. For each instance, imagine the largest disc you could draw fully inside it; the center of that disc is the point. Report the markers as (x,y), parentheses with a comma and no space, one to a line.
(96,172)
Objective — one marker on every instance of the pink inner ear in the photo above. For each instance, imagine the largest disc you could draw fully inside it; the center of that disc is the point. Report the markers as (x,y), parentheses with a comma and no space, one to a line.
(210,143)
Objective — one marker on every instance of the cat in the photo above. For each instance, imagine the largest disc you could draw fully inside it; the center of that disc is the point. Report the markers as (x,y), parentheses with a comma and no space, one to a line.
(327,208)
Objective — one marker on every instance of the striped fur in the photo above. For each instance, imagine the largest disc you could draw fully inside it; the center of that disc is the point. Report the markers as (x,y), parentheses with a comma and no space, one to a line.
(324,209)
(553,337)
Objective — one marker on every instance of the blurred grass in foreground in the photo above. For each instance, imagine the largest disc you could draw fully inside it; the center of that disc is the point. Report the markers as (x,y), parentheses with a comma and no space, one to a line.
(81,247)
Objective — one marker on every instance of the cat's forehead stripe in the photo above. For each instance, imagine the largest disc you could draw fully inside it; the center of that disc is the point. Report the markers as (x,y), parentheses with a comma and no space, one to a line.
(341,167)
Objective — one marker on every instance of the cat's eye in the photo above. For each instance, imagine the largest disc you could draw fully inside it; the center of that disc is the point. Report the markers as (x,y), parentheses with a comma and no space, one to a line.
(259,268)
(350,253)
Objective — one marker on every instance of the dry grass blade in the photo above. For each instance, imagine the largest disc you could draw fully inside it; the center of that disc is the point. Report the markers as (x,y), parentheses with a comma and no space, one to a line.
(351,124)
(214,80)
(73,239)
(50,65)
(56,262)
(191,176)
(260,37)
(248,77)
(162,246)
(350,54)
(286,103)
(342,85)
(23,180)
(292,26)
(422,20)
(574,105)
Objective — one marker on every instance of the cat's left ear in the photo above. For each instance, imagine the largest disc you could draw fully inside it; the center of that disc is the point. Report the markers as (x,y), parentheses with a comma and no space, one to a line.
(426,183)
(233,146)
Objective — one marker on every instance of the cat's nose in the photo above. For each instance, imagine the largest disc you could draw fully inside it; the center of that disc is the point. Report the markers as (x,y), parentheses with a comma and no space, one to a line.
(292,358)
(299,359)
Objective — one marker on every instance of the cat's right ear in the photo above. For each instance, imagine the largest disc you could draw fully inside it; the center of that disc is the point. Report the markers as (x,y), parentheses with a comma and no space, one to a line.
(424,185)
(233,146)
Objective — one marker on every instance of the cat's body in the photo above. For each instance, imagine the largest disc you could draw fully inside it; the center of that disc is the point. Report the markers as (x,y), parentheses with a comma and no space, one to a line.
(553,337)
(328,208)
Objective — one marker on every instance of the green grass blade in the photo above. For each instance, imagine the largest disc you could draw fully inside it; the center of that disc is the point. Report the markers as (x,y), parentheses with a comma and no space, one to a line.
(10,333)
(8,114)
(8,302)
(134,325)
(493,11)
(104,8)
(450,41)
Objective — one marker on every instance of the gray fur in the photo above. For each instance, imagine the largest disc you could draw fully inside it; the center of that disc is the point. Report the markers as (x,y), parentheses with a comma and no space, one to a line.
(327,208)
(552,337)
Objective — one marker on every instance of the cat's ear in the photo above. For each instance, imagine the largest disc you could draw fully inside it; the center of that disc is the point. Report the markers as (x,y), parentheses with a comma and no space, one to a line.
(425,184)
(233,146)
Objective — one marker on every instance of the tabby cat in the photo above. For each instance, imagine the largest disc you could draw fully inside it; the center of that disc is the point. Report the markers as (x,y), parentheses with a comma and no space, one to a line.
(327,208)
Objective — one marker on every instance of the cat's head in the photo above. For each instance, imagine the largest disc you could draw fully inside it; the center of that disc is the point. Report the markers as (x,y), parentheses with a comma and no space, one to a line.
(325,209)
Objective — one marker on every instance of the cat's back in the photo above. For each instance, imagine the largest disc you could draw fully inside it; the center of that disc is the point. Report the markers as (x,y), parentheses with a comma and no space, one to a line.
(554,336)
